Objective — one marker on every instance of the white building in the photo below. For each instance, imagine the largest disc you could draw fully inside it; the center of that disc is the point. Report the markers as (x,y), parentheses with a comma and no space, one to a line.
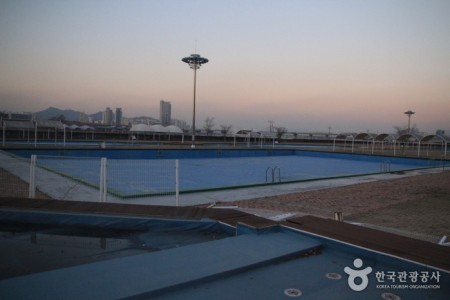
(180,123)
(107,117)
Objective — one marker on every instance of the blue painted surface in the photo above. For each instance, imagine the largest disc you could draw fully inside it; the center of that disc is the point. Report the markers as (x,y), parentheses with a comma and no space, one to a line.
(211,153)
(133,173)
(157,272)
(115,222)
(256,264)
(309,275)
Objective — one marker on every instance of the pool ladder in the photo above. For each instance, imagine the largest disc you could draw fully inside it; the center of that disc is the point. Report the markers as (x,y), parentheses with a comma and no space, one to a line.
(273,171)
(385,166)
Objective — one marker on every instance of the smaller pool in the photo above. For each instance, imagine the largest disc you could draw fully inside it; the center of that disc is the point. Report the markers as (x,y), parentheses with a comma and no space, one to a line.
(33,242)
(73,250)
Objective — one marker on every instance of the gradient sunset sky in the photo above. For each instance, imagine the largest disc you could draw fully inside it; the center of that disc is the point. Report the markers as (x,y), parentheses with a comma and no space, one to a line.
(306,64)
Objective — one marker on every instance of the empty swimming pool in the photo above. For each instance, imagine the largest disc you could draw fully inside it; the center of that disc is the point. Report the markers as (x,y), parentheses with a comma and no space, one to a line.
(260,259)
(137,173)
(45,241)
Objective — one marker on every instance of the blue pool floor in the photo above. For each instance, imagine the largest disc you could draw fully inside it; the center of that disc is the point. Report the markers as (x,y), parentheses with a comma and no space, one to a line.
(59,187)
(247,266)
(311,276)
(153,273)
(134,177)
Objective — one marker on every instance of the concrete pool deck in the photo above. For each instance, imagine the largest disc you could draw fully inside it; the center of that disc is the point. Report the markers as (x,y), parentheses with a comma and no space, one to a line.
(58,187)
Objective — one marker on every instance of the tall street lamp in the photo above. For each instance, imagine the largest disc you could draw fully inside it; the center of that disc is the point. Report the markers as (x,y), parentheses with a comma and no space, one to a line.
(194,61)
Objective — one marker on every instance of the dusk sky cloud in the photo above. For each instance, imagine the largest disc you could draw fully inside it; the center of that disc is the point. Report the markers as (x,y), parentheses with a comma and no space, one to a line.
(305,64)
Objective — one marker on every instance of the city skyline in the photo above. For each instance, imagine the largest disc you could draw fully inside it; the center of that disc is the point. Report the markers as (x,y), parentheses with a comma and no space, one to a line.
(306,65)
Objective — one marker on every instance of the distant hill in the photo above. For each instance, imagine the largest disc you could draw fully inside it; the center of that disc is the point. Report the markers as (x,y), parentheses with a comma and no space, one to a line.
(53,112)
(68,114)
(97,116)
(73,115)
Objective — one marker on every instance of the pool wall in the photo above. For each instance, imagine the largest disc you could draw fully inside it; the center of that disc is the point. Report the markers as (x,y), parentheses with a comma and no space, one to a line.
(211,153)
(112,221)
(151,153)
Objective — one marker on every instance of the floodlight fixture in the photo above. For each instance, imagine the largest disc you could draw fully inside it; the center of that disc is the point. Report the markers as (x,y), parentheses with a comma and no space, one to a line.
(409,113)
(194,61)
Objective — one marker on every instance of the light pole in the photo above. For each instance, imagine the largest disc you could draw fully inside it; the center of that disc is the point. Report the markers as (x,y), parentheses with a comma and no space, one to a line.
(194,61)
(409,113)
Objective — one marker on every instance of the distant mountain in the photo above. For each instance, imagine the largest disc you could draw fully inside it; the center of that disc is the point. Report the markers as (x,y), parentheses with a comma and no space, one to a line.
(53,112)
(66,114)
(97,116)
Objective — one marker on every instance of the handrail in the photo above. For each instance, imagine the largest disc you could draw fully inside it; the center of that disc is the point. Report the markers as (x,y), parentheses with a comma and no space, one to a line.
(385,166)
(273,173)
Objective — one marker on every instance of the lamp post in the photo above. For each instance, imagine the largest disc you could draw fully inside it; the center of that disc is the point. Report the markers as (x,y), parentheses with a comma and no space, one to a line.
(194,61)
(409,113)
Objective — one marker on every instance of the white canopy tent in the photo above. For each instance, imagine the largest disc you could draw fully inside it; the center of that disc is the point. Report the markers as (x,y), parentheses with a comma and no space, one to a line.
(30,125)
(144,128)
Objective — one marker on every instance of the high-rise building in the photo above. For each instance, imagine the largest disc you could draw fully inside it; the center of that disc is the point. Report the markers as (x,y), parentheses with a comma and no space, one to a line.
(164,113)
(107,117)
(118,116)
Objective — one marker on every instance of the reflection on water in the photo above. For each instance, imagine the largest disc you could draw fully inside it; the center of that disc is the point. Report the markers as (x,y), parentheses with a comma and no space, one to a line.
(26,248)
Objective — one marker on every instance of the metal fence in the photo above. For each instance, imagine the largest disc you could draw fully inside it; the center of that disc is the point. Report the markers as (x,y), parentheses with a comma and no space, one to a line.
(82,178)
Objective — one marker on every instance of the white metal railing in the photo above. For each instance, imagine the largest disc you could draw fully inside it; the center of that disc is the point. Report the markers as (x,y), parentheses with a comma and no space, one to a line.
(103,182)
(273,171)
(32,186)
(111,177)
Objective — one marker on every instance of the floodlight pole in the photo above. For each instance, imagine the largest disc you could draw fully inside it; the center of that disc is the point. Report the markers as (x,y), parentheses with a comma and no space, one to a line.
(409,113)
(193,112)
(194,61)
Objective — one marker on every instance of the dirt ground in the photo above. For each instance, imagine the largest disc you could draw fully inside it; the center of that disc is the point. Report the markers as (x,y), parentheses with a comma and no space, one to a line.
(413,205)
(417,204)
